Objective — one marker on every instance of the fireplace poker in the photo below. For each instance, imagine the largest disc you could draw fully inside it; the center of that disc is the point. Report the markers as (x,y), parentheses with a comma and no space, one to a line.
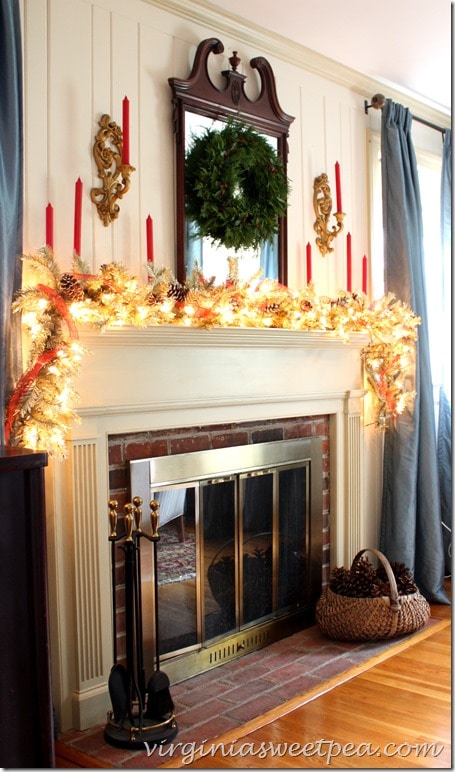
(160,705)
(137,513)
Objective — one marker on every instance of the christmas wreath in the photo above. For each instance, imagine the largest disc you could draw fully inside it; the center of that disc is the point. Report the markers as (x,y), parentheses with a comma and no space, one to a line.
(236,186)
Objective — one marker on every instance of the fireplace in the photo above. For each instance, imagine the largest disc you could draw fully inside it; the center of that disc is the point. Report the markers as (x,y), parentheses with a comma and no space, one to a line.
(241,552)
(160,380)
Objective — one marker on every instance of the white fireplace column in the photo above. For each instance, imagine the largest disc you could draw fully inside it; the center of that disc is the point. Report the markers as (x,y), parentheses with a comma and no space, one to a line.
(80,583)
(164,378)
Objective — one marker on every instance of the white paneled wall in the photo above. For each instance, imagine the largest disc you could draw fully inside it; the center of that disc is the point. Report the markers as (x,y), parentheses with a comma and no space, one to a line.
(81,57)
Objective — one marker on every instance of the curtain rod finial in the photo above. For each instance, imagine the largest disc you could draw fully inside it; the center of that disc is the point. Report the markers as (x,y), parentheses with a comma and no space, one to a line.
(377,102)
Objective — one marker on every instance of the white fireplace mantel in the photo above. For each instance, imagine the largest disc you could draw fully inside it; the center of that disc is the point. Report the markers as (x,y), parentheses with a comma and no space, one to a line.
(134,371)
(170,377)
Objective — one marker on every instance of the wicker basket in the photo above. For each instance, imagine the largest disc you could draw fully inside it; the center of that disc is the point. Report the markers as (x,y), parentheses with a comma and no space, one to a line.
(365,619)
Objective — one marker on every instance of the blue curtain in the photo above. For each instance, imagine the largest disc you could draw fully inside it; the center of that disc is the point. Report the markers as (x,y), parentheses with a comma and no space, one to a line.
(269,259)
(445,409)
(193,248)
(11,186)
(411,529)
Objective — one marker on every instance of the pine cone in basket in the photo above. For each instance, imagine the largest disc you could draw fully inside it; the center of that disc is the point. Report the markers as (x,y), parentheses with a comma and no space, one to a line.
(363,580)
(403,576)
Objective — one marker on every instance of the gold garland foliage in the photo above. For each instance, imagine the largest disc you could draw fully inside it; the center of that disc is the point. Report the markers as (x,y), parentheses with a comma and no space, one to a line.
(42,406)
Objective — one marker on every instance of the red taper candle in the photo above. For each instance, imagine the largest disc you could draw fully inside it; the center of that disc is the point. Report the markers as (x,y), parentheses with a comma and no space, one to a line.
(149,230)
(126,131)
(77,216)
(50,226)
(338,187)
(308,263)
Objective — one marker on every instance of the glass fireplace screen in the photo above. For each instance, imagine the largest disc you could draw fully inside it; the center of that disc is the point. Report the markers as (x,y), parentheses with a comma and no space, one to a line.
(240,540)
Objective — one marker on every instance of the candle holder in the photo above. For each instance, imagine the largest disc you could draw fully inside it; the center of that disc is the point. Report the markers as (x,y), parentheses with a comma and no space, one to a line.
(322,203)
(115,175)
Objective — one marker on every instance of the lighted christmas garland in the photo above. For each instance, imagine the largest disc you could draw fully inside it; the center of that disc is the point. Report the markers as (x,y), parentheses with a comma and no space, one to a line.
(41,409)
(235,186)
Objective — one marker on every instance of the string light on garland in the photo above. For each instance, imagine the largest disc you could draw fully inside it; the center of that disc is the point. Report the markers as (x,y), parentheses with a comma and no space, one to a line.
(42,407)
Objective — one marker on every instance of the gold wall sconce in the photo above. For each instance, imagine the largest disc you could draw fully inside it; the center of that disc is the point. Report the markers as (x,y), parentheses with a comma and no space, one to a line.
(114,174)
(322,203)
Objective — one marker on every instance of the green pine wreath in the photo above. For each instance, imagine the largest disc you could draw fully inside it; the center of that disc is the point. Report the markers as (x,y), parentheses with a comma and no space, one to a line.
(236,187)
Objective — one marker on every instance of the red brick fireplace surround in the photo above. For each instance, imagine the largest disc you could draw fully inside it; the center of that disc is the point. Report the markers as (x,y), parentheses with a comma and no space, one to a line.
(141,445)
(169,390)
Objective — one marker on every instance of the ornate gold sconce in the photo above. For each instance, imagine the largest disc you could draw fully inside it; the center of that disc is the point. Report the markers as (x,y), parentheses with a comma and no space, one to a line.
(115,175)
(322,203)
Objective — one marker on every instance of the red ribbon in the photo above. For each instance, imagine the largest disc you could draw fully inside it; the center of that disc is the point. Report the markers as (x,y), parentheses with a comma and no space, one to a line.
(23,385)
(61,307)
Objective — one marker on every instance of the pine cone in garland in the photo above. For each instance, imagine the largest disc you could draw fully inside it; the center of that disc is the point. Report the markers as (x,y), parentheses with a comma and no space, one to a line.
(178,292)
(70,288)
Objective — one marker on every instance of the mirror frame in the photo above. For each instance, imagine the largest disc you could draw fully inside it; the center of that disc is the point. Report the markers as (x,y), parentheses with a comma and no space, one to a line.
(199,95)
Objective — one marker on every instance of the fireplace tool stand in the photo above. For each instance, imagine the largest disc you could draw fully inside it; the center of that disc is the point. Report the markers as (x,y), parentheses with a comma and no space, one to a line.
(140,714)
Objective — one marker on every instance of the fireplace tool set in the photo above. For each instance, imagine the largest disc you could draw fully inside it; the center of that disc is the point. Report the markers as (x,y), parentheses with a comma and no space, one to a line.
(141,713)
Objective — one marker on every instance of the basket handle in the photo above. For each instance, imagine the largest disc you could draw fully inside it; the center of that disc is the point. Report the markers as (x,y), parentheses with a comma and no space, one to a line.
(394,602)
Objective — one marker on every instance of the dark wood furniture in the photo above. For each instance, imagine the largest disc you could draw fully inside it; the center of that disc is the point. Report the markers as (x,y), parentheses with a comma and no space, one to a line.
(26,715)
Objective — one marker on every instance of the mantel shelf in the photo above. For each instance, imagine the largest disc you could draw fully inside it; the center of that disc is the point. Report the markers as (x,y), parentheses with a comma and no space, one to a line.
(241,337)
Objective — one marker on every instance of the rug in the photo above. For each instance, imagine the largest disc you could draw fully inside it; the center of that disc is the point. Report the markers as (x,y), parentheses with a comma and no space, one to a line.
(176,559)
(236,698)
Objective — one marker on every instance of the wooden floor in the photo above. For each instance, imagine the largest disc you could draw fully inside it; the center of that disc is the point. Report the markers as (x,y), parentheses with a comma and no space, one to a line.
(395,714)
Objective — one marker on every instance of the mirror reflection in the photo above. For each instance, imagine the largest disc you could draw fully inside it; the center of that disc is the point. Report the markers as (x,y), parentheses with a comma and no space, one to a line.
(213,258)
(198,106)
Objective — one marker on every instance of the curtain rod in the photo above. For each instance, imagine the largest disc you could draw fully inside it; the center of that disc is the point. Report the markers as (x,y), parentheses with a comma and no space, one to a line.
(378,102)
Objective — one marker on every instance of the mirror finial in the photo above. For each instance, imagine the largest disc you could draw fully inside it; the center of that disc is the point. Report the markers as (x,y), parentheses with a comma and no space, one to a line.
(234,61)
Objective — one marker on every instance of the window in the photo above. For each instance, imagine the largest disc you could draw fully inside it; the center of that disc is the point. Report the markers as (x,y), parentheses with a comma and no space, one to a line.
(428,148)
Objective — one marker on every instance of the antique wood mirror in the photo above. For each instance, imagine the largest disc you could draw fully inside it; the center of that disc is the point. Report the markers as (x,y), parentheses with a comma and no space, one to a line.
(199,105)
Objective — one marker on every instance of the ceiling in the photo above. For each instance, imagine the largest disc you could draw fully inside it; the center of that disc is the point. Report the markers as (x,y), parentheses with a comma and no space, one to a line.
(403,43)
